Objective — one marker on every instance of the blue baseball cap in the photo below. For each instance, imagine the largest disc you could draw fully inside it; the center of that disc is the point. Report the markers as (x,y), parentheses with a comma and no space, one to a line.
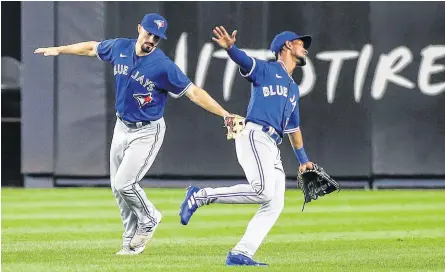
(155,24)
(280,39)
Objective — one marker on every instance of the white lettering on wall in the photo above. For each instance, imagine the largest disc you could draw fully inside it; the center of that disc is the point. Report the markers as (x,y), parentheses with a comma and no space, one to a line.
(336,58)
(203,64)
(389,68)
(427,67)
(181,53)
(308,80)
(361,70)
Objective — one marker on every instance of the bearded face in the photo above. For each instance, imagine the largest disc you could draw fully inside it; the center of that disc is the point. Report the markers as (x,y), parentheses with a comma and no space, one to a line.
(147,40)
(298,52)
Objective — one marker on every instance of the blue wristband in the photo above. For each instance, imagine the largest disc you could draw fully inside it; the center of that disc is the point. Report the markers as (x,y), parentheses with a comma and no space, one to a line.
(301,155)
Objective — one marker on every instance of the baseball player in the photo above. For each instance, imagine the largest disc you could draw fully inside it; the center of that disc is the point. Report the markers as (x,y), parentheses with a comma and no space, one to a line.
(144,76)
(272,112)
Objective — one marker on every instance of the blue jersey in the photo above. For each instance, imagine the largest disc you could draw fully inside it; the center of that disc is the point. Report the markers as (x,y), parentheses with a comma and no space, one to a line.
(274,97)
(142,83)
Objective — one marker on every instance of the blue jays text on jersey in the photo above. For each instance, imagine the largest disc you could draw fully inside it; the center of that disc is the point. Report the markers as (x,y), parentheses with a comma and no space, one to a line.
(274,96)
(141,82)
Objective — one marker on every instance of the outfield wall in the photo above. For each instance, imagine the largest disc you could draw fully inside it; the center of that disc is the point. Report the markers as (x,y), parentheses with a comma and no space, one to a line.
(372,104)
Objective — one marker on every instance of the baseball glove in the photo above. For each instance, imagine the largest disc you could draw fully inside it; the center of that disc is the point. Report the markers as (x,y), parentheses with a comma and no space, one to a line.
(234,124)
(316,183)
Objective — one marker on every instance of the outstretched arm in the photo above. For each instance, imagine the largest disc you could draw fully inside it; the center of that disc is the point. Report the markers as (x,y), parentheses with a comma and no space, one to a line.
(227,42)
(296,140)
(201,98)
(79,49)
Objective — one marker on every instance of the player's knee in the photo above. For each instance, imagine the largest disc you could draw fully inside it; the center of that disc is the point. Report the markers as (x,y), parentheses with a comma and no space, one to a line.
(266,194)
(121,187)
(122,183)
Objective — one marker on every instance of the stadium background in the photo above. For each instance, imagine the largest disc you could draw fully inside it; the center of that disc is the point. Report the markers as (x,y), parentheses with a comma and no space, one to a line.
(57,120)
(372,111)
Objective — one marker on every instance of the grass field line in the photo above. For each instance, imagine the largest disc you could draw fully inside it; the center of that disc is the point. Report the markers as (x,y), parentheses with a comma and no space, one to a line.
(211,266)
(104,202)
(215,264)
(221,210)
(282,222)
(216,259)
(14,246)
(80,230)
(37,267)
(294,197)
(171,195)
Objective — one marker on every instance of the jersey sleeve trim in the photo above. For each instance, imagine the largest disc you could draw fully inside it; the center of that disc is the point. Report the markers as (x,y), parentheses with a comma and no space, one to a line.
(287,131)
(97,51)
(181,93)
(251,70)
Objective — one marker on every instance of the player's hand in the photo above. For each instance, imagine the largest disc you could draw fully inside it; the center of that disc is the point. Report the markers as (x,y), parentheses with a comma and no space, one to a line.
(304,166)
(227,114)
(223,38)
(47,51)
(234,124)
(228,117)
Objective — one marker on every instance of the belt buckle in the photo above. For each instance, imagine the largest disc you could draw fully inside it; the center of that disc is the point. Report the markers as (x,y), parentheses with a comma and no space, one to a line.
(138,124)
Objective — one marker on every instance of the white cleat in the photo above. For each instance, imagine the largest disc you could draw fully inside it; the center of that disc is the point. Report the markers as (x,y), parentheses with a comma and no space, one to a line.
(143,235)
(128,251)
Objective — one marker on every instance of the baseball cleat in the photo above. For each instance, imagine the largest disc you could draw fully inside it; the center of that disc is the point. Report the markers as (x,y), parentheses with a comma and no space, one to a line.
(127,251)
(239,259)
(189,205)
(144,235)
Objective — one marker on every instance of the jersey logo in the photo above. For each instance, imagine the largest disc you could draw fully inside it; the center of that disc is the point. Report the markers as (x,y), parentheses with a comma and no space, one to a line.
(143,99)
(122,55)
(271,91)
(278,76)
(120,69)
(160,23)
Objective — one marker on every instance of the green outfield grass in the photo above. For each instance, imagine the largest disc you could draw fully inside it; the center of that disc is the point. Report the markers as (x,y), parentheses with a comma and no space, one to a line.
(80,230)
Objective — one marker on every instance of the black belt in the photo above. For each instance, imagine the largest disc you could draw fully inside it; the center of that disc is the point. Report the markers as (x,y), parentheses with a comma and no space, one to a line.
(273,134)
(134,125)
